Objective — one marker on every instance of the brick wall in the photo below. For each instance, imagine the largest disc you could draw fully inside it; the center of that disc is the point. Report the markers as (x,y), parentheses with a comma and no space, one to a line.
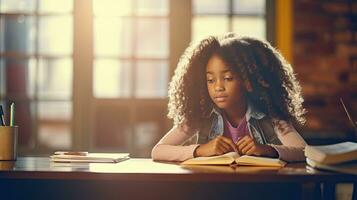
(325,60)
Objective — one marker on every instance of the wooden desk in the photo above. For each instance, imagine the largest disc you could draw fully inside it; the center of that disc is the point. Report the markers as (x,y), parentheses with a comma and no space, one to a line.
(38,178)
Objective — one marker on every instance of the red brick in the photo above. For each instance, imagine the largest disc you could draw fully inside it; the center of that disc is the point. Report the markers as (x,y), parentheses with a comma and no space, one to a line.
(324,43)
(314,122)
(308,6)
(336,7)
(335,63)
(314,49)
(343,36)
(311,22)
(346,50)
(341,23)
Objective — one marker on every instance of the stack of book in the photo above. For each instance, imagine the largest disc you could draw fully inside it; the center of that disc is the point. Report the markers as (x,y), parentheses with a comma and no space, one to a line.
(341,157)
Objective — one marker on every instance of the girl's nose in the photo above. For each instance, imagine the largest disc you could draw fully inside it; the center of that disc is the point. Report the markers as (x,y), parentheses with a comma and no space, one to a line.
(219,87)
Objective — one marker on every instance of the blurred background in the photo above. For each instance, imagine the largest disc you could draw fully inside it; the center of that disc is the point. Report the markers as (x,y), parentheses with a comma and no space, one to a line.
(93,74)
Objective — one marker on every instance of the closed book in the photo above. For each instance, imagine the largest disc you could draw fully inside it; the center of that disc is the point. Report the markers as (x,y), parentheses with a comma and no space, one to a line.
(235,158)
(91,157)
(332,154)
(346,167)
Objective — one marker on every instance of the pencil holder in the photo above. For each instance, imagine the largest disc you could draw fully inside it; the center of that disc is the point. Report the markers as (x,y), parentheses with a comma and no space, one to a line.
(8,142)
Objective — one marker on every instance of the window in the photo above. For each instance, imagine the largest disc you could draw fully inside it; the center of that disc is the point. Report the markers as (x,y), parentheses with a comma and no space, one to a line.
(245,17)
(131,48)
(36,69)
(130,70)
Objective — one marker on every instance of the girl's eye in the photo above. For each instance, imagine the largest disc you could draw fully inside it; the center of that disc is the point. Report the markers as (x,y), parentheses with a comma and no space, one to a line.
(228,78)
(209,80)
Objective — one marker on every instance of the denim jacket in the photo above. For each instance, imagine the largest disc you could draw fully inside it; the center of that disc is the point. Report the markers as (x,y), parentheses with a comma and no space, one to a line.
(179,143)
(260,127)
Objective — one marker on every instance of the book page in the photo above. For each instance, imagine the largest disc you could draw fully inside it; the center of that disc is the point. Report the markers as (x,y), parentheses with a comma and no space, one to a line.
(224,159)
(259,161)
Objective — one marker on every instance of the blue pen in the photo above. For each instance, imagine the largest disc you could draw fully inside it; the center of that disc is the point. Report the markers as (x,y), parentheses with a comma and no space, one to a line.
(2,118)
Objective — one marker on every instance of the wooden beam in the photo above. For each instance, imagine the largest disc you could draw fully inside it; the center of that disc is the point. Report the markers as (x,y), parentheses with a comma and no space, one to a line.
(284,28)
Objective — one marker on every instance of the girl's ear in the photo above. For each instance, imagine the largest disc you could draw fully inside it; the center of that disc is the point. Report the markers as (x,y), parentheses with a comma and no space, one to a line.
(248,86)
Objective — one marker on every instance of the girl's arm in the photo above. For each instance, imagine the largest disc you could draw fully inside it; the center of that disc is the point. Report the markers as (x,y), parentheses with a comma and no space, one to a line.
(292,148)
(170,148)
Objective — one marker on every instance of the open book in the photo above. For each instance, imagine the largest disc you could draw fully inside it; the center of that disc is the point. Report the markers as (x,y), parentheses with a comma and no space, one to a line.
(332,154)
(235,158)
(91,157)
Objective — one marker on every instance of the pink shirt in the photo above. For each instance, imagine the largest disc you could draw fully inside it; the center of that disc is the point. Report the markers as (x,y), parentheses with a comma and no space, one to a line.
(235,133)
(170,147)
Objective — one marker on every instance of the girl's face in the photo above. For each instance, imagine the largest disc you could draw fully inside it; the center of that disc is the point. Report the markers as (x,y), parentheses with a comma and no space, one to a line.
(224,86)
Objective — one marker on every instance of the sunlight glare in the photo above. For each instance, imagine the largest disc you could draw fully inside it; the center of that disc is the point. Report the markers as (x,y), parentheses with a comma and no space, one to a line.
(112,7)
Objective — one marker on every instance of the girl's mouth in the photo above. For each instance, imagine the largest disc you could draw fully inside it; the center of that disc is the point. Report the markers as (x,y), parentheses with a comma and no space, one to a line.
(220,98)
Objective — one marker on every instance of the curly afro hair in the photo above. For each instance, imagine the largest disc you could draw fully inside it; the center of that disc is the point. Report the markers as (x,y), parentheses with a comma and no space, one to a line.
(275,90)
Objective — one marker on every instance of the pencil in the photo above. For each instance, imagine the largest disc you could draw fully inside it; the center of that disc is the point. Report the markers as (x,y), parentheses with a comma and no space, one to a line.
(12,113)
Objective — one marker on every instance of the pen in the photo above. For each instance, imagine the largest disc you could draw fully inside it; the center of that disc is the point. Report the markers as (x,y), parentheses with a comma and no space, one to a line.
(2,119)
(73,153)
(12,114)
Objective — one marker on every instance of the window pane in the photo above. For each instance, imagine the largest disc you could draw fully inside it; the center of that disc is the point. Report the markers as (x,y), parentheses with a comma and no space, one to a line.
(153,7)
(249,6)
(55,78)
(17,34)
(112,37)
(54,129)
(151,79)
(203,26)
(11,6)
(56,35)
(111,78)
(112,7)
(17,77)
(55,111)
(244,26)
(54,136)
(210,7)
(55,6)
(152,38)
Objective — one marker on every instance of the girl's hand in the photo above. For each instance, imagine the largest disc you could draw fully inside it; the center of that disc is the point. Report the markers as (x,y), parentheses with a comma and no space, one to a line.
(218,146)
(247,146)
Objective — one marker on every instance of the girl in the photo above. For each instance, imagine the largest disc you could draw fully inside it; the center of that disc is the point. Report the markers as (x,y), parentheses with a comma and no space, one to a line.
(233,93)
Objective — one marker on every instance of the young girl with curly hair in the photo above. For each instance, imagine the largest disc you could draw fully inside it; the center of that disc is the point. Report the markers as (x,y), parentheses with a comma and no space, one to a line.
(233,93)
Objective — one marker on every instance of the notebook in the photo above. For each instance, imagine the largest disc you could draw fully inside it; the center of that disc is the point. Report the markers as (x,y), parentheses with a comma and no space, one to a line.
(90,157)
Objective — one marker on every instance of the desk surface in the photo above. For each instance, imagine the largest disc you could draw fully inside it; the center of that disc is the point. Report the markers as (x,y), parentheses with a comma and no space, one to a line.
(38,178)
(147,170)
